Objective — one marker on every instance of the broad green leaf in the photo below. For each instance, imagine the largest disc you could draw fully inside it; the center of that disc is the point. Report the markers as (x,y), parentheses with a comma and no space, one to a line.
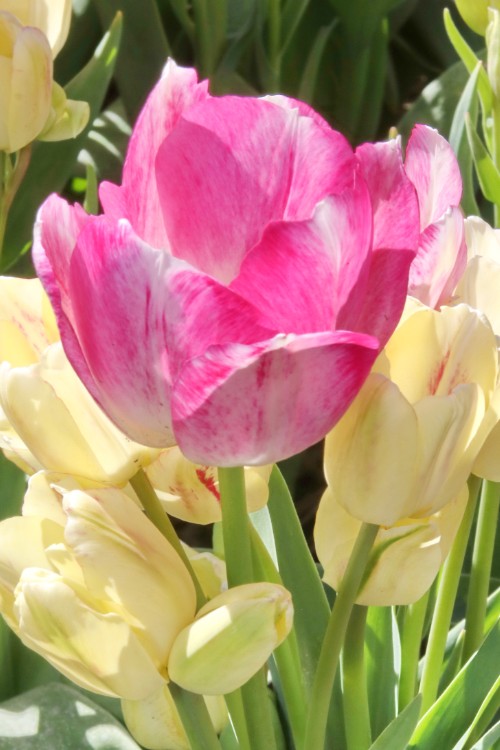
(487,712)
(397,735)
(58,717)
(459,142)
(487,173)
(470,60)
(454,711)
(52,164)
(383,666)
(489,740)
(144,51)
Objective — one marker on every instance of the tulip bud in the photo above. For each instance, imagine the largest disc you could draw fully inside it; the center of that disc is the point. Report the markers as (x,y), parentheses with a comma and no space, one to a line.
(210,571)
(25,83)
(156,725)
(53,17)
(493,47)
(191,492)
(231,638)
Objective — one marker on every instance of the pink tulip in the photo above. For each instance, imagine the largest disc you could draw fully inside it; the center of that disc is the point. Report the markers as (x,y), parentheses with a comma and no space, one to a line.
(242,279)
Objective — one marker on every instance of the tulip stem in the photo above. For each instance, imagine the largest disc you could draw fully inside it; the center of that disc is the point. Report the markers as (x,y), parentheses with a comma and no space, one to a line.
(445,600)
(12,170)
(355,690)
(238,554)
(411,641)
(195,719)
(157,515)
(334,637)
(482,558)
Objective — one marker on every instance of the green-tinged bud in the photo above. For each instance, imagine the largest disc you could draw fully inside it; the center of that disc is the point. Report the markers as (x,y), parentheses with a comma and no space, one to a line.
(231,638)
(156,725)
(67,117)
(210,571)
(475,13)
(493,46)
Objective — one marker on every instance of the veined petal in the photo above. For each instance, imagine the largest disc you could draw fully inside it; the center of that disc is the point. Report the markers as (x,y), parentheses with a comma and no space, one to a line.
(433,168)
(214,425)
(440,260)
(176,91)
(394,199)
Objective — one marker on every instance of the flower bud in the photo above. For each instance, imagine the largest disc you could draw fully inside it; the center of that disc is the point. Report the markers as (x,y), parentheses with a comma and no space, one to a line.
(25,83)
(231,638)
(53,17)
(156,725)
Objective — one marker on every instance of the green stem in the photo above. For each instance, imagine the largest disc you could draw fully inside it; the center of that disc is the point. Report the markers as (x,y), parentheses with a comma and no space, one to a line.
(334,638)
(195,719)
(496,152)
(202,31)
(234,704)
(274,45)
(443,611)
(355,690)
(239,565)
(482,559)
(411,641)
(157,515)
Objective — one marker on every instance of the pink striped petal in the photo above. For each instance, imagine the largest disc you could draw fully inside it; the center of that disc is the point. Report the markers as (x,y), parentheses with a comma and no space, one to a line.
(177,90)
(433,168)
(440,260)
(256,404)
(321,260)
(394,199)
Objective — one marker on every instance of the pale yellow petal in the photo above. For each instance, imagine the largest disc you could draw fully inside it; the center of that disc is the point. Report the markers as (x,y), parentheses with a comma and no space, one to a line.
(27,323)
(53,17)
(479,286)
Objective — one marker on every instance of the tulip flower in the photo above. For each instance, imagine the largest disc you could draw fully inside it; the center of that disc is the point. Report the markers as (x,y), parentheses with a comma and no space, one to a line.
(231,638)
(47,418)
(191,492)
(102,597)
(406,446)
(406,556)
(156,725)
(475,13)
(242,267)
(25,83)
(53,17)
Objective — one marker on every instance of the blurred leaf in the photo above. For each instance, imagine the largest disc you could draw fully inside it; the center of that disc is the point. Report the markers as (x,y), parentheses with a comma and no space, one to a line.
(397,735)
(361,18)
(91,202)
(84,36)
(52,164)
(451,715)
(181,11)
(383,666)
(60,718)
(106,143)
(291,15)
(313,65)
(144,51)
(487,173)
(460,144)
(12,488)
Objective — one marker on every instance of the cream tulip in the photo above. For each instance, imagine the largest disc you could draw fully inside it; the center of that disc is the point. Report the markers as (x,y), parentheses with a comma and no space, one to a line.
(53,17)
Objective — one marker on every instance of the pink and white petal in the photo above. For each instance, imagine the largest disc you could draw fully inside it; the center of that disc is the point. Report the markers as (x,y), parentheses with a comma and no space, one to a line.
(433,168)
(288,102)
(320,260)
(440,261)
(259,404)
(378,309)
(396,222)
(176,91)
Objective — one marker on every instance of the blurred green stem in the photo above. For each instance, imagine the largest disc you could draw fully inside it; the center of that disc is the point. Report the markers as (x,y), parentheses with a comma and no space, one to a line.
(355,690)
(334,637)
(482,558)
(238,554)
(157,515)
(496,152)
(274,47)
(195,719)
(446,595)
(203,38)
(411,640)
(12,170)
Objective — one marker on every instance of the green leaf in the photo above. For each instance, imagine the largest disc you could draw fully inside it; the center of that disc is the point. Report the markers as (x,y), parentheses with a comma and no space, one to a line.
(383,666)
(313,64)
(487,173)
(459,142)
(12,488)
(60,718)
(470,60)
(52,164)
(144,52)
(397,735)
(451,715)
(106,143)
(482,719)
(291,16)
(490,739)
(361,18)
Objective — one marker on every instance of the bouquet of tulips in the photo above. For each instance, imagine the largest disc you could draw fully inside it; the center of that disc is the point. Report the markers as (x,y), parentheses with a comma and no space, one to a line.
(251,285)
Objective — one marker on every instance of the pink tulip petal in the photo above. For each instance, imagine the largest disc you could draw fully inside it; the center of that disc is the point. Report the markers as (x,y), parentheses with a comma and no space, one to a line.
(321,260)
(440,260)
(379,309)
(433,168)
(219,192)
(394,199)
(177,90)
(257,404)
(140,313)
